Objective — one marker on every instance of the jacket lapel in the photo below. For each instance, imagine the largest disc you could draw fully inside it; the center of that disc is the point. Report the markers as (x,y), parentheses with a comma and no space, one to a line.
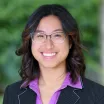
(68,96)
(27,96)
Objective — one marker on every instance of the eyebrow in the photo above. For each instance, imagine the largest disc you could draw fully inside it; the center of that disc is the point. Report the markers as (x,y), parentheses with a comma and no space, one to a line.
(52,31)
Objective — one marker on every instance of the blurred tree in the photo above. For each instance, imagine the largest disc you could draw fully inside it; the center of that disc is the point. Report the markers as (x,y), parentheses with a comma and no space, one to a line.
(102,32)
(101,38)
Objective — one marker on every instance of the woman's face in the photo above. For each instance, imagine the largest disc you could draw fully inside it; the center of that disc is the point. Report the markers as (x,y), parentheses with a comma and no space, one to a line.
(50,54)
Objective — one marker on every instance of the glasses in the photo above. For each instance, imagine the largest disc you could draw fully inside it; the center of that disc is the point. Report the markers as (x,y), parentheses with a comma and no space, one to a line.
(56,37)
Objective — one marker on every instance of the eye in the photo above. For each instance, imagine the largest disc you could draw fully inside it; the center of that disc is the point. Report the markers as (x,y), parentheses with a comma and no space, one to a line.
(58,35)
(38,35)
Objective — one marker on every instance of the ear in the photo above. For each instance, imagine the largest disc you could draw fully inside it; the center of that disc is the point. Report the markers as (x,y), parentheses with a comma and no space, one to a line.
(70,46)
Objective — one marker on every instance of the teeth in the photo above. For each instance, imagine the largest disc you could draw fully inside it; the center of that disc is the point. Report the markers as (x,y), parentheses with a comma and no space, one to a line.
(49,54)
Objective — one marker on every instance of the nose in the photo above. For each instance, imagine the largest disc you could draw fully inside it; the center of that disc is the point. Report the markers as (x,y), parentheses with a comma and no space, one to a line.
(48,42)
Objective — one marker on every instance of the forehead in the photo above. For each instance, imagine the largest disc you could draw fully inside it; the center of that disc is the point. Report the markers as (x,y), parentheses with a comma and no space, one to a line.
(49,24)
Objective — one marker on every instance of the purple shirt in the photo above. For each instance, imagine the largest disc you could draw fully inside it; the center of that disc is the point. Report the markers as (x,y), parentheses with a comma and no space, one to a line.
(67,82)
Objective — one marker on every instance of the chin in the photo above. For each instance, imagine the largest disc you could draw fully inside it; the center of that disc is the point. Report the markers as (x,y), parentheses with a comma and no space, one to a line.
(49,65)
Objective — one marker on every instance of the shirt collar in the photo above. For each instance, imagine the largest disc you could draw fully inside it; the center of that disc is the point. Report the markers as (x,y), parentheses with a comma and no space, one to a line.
(67,82)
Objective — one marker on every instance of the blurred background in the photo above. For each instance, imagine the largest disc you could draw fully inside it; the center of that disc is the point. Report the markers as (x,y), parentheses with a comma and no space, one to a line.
(13,16)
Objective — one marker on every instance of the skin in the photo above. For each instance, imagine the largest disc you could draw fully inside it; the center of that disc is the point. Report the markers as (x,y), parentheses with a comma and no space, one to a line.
(50,66)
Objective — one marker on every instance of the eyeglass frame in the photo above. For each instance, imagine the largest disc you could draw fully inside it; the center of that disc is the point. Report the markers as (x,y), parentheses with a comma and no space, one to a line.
(32,33)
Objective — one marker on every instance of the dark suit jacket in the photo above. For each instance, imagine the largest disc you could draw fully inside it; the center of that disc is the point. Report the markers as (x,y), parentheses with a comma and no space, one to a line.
(91,93)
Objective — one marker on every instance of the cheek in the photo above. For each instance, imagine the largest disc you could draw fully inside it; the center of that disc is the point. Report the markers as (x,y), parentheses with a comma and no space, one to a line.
(34,49)
(67,48)
(66,45)
(64,49)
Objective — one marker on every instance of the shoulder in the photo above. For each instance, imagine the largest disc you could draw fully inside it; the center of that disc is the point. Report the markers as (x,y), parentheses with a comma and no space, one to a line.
(94,90)
(16,84)
(14,87)
(11,92)
(87,83)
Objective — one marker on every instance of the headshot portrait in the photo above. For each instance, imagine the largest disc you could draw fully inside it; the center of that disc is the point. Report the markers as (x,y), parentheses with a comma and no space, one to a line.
(53,66)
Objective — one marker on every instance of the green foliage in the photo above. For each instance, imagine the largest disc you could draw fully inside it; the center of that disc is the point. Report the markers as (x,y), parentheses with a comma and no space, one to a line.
(13,17)
(1,99)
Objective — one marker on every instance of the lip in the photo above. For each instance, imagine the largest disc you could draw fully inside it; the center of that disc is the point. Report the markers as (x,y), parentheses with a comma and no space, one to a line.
(48,57)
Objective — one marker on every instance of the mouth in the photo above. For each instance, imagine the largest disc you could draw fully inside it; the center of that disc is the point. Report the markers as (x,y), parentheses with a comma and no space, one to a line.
(49,55)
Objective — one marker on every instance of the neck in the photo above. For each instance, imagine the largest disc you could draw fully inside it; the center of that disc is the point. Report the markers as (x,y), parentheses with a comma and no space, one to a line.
(52,76)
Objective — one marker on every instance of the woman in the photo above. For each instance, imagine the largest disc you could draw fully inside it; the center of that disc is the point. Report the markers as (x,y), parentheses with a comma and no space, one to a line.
(53,66)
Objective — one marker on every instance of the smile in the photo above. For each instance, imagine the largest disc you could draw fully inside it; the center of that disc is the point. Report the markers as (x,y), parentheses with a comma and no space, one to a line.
(49,54)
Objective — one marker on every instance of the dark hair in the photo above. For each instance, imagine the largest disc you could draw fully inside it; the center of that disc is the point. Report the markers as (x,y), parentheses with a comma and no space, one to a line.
(75,60)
